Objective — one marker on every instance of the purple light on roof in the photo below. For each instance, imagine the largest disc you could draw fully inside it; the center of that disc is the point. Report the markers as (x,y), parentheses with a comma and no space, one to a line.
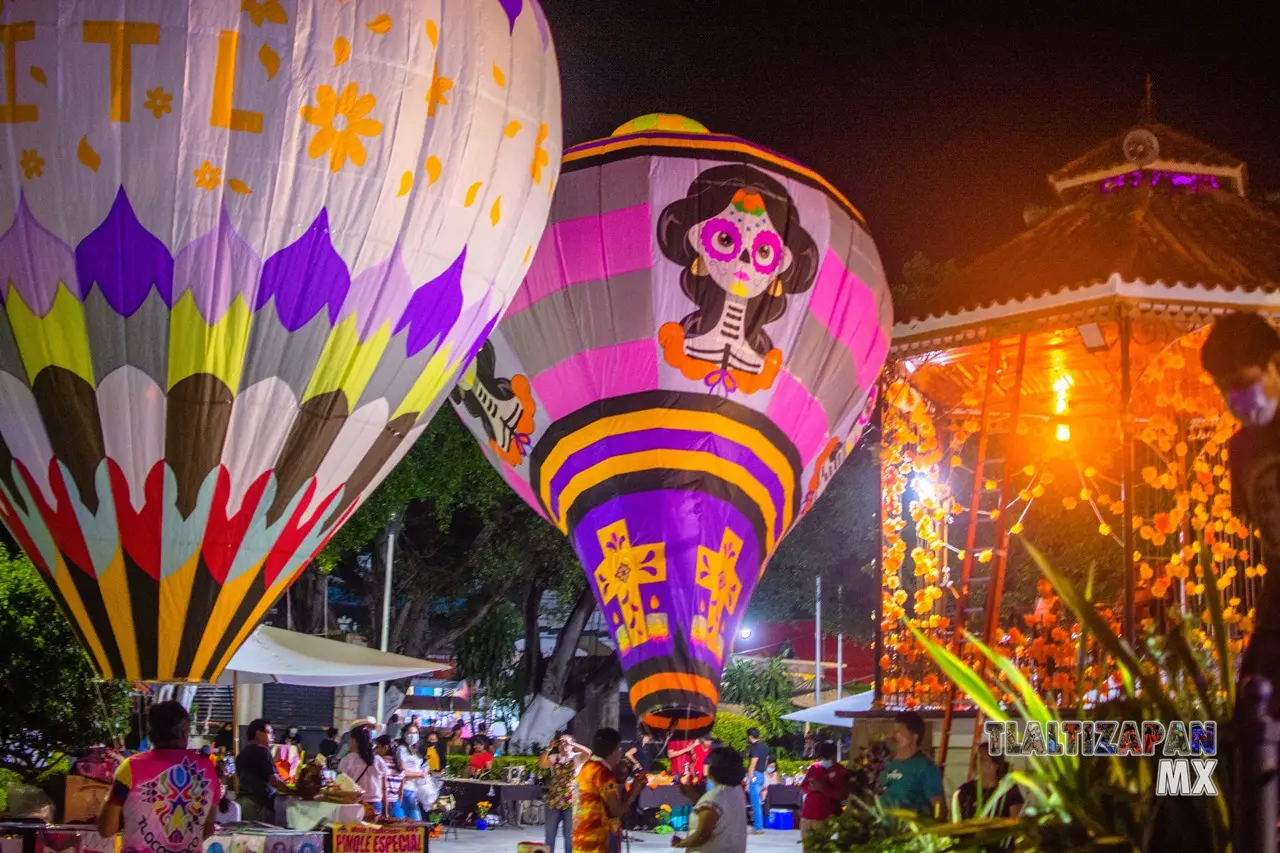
(1182,180)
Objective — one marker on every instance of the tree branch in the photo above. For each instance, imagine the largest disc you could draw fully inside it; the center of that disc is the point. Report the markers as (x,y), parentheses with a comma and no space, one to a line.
(557,675)
(482,603)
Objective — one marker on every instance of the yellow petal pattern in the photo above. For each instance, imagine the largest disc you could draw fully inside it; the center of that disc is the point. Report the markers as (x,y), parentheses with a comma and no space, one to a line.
(406,184)
(433,33)
(270,60)
(433,169)
(380,25)
(341,51)
(495,212)
(87,156)
(498,76)
(37,74)
(472,191)
(239,186)
(512,129)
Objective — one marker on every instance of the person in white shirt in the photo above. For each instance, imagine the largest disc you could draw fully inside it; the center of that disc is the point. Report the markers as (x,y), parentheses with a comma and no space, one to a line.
(719,820)
(367,770)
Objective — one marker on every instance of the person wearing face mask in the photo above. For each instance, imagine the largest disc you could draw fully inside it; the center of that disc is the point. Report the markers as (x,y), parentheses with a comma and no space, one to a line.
(409,754)
(825,787)
(719,821)
(1242,354)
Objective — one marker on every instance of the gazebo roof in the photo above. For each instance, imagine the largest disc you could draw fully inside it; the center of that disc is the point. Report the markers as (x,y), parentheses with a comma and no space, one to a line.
(1156,234)
(1176,152)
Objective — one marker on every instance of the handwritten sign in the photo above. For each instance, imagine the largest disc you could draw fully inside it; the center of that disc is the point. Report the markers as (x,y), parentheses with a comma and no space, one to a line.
(358,838)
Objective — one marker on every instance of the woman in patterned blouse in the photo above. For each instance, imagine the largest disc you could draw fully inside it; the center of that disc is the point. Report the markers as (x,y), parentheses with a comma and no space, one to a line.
(597,819)
(561,760)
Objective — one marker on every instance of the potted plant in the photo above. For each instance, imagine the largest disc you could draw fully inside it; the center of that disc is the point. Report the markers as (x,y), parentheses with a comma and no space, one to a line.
(663,818)
(482,812)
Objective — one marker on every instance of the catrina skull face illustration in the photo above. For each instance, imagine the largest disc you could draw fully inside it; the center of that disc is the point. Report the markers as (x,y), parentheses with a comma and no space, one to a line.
(500,413)
(740,246)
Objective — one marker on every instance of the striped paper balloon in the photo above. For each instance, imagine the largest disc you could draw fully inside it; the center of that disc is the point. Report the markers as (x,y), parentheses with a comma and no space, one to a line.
(244,250)
(689,360)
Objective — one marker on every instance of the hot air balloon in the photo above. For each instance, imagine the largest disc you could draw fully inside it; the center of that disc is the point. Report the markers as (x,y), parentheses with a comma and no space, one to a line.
(246,249)
(689,360)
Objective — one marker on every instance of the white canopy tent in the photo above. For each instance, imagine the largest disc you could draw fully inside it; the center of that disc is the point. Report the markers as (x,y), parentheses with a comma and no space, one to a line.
(825,714)
(277,656)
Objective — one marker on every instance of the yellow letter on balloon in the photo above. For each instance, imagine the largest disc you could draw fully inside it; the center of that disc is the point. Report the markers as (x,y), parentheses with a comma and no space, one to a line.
(12,112)
(121,36)
(224,89)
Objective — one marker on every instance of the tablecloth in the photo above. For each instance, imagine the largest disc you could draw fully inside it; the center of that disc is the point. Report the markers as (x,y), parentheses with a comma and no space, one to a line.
(783,797)
(310,815)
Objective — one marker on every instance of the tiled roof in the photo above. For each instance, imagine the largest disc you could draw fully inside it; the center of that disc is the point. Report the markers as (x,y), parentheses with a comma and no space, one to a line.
(1174,147)
(1211,239)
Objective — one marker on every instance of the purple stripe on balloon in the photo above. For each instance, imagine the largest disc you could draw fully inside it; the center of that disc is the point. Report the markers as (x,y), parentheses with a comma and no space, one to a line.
(682,521)
(216,268)
(305,277)
(697,140)
(433,309)
(513,9)
(124,260)
(378,295)
(672,439)
(35,262)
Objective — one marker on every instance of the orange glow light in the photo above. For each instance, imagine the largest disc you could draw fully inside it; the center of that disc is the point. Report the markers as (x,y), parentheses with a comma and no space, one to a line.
(1064,432)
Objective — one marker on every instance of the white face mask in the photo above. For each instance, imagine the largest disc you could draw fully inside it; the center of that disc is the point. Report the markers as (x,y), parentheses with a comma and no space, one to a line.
(1252,405)
(411,739)
(827,763)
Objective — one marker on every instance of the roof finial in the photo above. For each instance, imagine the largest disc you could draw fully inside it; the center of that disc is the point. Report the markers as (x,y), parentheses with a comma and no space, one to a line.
(1149,105)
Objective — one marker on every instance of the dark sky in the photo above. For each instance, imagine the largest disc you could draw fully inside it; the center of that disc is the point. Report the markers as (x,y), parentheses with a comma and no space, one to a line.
(939,122)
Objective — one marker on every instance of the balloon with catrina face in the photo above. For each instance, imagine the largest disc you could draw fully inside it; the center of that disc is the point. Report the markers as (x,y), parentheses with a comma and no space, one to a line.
(688,362)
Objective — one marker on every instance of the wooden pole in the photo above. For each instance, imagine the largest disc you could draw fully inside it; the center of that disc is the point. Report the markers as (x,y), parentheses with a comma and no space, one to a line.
(878,695)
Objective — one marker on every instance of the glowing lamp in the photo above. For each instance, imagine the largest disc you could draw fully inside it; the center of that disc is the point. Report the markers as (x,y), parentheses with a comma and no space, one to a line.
(1064,432)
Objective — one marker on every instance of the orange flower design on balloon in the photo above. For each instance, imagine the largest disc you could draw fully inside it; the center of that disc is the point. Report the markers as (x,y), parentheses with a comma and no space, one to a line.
(342,120)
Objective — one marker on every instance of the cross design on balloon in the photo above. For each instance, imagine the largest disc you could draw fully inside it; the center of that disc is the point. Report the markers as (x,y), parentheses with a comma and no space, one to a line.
(718,574)
(621,574)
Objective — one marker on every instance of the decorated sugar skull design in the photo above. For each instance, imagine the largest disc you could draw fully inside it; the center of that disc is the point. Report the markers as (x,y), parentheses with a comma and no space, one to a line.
(504,407)
(738,235)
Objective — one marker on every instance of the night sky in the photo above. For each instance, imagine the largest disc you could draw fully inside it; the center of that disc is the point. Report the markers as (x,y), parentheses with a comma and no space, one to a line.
(940,126)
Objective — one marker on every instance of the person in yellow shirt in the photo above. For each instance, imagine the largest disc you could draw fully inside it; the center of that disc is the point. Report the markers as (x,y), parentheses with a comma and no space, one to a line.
(434,753)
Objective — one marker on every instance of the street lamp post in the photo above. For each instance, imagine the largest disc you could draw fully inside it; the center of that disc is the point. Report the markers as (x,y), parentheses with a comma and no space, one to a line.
(393,529)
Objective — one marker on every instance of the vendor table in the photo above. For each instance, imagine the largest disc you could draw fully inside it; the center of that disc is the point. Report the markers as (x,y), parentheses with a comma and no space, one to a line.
(310,815)
(78,838)
(503,796)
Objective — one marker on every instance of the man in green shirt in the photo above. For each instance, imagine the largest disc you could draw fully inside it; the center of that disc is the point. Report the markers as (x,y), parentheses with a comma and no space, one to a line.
(910,780)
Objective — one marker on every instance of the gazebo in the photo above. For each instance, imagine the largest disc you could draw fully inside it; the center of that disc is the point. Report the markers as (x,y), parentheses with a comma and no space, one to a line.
(1054,382)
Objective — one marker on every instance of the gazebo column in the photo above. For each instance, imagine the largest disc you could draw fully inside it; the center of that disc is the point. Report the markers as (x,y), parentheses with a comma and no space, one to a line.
(1127,479)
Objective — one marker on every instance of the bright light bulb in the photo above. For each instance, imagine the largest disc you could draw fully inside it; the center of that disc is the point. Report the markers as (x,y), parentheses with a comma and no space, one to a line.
(923,487)
(745,633)
(1064,432)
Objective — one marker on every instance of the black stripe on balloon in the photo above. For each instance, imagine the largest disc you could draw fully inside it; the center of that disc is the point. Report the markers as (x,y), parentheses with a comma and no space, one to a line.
(144,598)
(671,400)
(96,609)
(709,155)
(252,598)
(204,595)
(669,480)
(76,628)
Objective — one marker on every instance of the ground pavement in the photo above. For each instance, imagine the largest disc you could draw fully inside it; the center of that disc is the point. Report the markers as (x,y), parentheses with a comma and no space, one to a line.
(504,840)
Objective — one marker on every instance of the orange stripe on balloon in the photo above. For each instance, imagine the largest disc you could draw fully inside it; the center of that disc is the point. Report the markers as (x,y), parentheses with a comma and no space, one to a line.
(224,610)
(661,723)
(114,585)
(682,681)
(175,597)
(686,142)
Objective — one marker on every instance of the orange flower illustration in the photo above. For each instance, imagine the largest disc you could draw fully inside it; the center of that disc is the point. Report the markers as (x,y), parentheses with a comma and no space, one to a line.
(342,120)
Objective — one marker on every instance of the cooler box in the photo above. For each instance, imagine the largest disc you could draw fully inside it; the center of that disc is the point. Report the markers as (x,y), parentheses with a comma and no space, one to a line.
(780,819)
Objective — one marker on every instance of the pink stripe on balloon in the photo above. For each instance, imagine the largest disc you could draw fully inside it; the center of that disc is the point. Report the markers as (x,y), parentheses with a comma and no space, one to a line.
(595,374)
(847,307)
(589,248)
(799,415)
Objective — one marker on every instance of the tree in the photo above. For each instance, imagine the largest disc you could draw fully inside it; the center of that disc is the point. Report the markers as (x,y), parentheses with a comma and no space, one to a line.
(52,704)
(921,277)
(839,541)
